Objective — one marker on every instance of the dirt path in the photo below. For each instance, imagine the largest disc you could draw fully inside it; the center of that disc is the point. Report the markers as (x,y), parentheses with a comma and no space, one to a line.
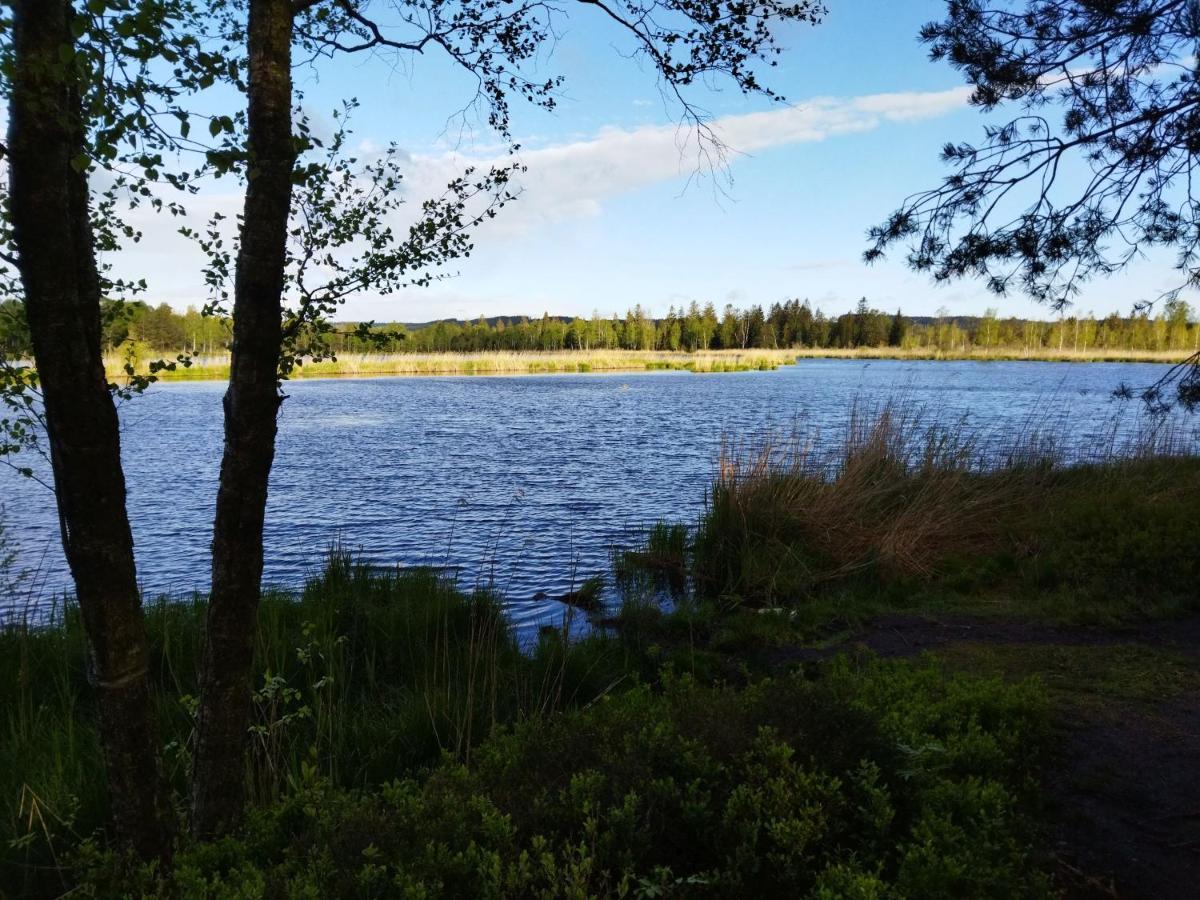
(1127,798)
(910,635)
(1124,790)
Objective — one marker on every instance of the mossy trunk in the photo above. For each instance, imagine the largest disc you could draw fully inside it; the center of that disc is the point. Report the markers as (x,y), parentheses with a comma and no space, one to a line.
(251,406)
(57,263)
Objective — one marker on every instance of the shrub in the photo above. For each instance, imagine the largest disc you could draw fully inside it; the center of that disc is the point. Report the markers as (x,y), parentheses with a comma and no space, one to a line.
(367,676)
(892,779)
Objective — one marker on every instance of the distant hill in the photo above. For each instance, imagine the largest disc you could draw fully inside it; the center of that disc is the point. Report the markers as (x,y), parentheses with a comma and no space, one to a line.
(491,321)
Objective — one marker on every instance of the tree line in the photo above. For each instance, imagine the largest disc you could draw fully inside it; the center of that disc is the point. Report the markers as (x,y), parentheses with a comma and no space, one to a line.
(790,325)
(787,325)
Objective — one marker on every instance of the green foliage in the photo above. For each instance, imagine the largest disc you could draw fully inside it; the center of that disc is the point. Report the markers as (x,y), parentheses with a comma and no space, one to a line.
(403,745)
(1112,679)
(14,331)
(892,779)
(366,676)
(787,325)
(791,324)
(1117,542)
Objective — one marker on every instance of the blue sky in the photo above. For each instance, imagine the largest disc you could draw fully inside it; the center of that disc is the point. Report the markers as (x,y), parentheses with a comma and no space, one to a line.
(609,218)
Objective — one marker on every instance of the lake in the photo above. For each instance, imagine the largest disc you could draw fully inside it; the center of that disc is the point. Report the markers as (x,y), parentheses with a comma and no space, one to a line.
(523,482)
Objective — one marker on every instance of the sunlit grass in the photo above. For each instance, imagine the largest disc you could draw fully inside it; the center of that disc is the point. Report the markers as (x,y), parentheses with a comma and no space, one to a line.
(364,365)
(490,363)
(995,354)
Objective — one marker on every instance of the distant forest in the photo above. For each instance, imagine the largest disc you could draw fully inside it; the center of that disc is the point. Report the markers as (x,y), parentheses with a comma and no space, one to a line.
(794,323)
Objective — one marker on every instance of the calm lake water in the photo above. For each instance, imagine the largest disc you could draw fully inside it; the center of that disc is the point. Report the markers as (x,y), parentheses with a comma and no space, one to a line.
(526,482)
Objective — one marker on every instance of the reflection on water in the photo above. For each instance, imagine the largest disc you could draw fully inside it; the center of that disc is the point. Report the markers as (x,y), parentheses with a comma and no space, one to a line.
(524,482)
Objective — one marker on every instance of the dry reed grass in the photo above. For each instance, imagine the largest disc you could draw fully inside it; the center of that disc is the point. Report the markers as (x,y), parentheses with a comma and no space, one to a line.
(360,365)
(995,354)
(894,490)
(490,363)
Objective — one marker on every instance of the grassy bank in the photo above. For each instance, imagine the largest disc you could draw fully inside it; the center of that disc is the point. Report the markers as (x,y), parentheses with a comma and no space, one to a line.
(403,746)
(536,362)
(996,354)
(904,540)
(902,513)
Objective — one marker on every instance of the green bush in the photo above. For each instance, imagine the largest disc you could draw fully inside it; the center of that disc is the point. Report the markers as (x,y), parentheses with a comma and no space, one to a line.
(888,780)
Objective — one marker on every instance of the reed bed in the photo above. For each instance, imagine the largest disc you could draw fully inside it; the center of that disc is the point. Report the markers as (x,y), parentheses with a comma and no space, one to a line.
(996,354)
(364,365)
(491,363)
(893,498)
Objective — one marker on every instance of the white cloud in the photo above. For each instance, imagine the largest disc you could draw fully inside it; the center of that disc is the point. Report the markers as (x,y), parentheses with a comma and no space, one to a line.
(574,179)
(567,181)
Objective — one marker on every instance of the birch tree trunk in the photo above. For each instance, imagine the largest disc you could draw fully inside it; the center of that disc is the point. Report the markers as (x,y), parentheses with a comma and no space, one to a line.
(251,406)
(56,259)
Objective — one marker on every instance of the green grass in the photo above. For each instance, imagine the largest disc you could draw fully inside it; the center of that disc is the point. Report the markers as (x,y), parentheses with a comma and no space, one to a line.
(1107,680)
(658,565)
(365,676)
(403,742)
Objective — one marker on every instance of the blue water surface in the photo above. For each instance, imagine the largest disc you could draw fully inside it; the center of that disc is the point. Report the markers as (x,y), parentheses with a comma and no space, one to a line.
(525,483)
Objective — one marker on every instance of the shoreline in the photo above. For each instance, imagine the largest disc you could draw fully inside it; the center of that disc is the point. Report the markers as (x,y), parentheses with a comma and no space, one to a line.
(216,368)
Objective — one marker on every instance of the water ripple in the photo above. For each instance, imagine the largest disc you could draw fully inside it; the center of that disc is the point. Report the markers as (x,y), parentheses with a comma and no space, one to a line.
(526,482)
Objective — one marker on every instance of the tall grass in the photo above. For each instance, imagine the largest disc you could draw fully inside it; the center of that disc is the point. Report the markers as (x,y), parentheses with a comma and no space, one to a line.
(658,566)
(216,366)
(893,492)
(896,500)
(364,677)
